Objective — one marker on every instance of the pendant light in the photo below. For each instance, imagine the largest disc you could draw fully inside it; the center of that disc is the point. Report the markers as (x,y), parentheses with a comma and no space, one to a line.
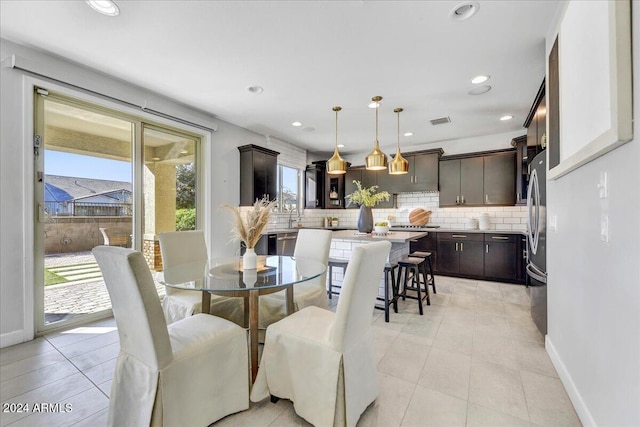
(376,160)
(336,165)
(399,165)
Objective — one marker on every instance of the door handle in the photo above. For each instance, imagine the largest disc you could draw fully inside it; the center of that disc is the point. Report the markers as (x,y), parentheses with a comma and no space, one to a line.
(499,237)
(486,198)
(461,247)
(456,246)
(487,248)
(461,236)
(462,199)
(457,200)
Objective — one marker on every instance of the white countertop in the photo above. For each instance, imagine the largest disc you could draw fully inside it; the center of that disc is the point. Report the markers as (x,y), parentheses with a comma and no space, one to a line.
(393,236)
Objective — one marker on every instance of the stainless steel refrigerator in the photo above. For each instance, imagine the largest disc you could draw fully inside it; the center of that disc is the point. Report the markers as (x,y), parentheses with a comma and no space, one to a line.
(537,240)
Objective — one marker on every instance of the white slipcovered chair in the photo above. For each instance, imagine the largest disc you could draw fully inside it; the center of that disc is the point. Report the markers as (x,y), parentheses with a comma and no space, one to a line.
(310,244)
(191,373)
(322,361)
(188,250)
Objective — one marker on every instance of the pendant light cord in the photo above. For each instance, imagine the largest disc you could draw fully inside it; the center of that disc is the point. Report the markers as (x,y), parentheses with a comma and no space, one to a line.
(336,129)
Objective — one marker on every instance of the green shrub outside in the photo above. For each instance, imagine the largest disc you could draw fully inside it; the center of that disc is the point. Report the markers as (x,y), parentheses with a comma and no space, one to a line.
(186,219)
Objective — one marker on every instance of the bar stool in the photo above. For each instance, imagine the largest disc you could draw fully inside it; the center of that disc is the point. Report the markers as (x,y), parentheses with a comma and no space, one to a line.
(427,256)
(333,262)
(415,266)
(389,271)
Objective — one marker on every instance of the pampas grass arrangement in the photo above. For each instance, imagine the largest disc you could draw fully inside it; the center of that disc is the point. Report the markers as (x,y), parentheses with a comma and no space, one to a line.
(257,218)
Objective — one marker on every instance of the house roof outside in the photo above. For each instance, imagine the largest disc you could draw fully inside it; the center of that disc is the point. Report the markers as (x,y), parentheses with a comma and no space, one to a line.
(65,188)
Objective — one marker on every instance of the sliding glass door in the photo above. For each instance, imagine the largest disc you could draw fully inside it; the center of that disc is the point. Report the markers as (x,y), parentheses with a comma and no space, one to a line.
(102,178)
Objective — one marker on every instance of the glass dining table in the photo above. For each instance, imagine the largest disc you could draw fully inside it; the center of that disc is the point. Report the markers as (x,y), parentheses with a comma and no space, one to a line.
(226,277)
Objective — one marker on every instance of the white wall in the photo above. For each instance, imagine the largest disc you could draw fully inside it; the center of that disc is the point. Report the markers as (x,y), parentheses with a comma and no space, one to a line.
(220,156)
(593,286)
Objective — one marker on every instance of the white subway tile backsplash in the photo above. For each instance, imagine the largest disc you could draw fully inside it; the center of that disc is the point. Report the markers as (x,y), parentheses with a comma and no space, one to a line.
(502,218)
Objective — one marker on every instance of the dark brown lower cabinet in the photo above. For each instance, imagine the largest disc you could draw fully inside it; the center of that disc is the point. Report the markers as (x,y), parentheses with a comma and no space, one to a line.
(461,254)
(489,256)
(501,256)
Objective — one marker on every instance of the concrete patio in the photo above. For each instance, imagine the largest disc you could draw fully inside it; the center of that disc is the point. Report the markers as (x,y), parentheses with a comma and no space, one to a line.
(85,291)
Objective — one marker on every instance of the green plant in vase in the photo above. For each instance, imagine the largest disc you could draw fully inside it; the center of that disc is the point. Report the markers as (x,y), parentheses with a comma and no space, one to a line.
(367,198)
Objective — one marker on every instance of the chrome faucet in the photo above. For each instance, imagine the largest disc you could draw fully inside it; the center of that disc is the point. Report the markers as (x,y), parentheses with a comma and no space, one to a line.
(291,214)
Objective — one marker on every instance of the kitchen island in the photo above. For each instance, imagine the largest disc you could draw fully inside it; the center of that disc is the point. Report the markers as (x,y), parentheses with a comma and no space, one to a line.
(343,242)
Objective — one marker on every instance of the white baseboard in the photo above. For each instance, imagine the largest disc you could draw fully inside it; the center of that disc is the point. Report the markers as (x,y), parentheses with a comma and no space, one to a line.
(11,338)
(578,403)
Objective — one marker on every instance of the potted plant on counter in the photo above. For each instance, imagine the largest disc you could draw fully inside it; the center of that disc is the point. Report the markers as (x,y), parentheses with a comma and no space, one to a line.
(366,198)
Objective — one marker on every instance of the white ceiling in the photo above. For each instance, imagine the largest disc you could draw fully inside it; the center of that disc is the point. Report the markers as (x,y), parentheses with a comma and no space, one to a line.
(310,56)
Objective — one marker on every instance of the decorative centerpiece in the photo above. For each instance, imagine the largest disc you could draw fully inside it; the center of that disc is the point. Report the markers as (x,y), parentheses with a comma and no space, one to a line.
(366,198)
(381,227)
(249,231)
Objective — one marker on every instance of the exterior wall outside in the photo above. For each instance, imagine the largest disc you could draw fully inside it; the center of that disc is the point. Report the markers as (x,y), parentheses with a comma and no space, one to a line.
(594,286)
(79,234)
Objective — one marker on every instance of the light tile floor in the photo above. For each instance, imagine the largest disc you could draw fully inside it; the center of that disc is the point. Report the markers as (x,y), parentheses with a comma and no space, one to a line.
(474,359)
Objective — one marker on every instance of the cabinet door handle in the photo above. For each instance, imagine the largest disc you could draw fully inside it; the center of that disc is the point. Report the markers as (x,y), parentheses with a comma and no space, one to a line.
(487,248)
(461,236)
(486,198)
(461,247)
(462,199)
(518,197)
(499,238)
(456,246)
(457,200)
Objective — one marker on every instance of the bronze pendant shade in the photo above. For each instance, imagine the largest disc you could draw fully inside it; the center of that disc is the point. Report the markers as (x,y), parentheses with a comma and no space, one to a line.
(336,165)
(376,160)
(399,165)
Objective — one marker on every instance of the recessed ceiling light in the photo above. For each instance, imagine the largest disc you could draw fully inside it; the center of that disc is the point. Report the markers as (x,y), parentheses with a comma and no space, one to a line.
(105,7)
(479,90)
(464,10)
(480,79)
(408,134)
(374,105)
(296,124)
(340,145)
(507,117)
(255,89)
(308,129)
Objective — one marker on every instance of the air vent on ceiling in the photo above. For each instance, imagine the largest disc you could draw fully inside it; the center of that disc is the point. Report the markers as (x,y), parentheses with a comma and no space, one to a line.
(440,121)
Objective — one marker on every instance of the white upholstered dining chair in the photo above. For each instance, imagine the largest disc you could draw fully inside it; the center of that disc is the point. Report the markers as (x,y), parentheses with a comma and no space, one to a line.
(310,244)
(188,250)
(324,361)
(192,372)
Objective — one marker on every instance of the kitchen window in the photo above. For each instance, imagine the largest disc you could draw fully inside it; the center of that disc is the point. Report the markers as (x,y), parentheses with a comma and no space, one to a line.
(288,194)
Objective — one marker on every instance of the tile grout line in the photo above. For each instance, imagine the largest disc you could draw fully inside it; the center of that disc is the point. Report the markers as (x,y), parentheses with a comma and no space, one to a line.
(79,370)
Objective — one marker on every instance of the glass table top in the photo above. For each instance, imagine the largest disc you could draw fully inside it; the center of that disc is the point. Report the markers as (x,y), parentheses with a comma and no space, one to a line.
(226,274)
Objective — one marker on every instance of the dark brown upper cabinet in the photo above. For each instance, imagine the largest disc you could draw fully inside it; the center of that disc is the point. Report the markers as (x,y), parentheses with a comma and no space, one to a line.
(478,180)
(422,176)
(499,179)
(522,168)
(324,191)
(536,123)
(258,174)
